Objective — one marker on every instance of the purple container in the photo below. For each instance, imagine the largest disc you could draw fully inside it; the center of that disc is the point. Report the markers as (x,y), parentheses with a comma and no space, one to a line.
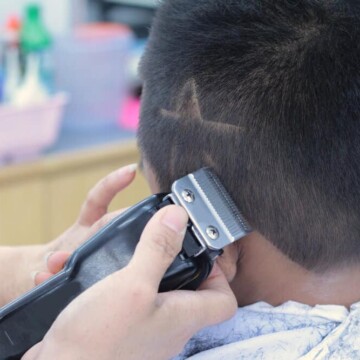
(92,66)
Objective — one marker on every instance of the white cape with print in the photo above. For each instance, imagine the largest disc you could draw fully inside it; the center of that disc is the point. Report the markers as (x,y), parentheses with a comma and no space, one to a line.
(290,331)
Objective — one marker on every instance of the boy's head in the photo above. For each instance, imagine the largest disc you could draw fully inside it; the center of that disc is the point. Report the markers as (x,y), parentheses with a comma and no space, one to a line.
(267,93)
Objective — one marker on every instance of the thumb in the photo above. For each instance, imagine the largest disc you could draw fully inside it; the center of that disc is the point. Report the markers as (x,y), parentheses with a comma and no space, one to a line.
(160,243)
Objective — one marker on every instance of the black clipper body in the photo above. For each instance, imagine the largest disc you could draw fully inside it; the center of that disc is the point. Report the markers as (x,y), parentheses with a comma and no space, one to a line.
(214,223)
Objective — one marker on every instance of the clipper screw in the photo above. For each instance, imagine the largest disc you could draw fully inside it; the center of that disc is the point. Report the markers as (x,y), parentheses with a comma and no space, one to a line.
(188,196)
(212,232)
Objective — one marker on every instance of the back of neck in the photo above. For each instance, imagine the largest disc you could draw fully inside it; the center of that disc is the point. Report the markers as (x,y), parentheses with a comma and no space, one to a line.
(265,274)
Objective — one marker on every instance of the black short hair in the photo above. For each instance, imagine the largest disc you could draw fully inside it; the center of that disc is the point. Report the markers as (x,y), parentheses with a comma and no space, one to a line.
(267,93)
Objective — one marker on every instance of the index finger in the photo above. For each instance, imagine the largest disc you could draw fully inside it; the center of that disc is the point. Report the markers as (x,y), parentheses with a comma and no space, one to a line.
(160,242)
(100,196)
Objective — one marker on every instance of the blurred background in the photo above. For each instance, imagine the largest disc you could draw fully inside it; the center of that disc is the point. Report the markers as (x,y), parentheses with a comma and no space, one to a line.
(69,108)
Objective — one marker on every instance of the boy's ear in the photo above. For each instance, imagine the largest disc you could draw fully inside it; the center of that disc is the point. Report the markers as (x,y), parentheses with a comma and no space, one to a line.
(187,103)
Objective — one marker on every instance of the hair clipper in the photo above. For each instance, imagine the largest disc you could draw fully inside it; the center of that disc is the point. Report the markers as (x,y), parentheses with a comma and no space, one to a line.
(214,222)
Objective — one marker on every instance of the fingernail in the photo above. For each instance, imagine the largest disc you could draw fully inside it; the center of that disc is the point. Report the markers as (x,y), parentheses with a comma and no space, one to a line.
(176,219)
(34,274)
(131,168)
(47,256)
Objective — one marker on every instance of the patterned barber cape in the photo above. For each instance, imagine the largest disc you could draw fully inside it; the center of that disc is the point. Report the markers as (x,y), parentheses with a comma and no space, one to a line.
(290,331)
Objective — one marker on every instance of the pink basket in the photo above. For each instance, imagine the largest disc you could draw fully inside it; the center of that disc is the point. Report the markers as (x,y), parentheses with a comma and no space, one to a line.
(25,132)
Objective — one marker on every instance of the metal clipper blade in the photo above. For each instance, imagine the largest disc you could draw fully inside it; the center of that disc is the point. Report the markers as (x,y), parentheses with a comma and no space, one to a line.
(215,217)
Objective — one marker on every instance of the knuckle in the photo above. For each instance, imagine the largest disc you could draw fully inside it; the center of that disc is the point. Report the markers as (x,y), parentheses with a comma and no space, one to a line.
(226,311)
(90,201)
(103,221)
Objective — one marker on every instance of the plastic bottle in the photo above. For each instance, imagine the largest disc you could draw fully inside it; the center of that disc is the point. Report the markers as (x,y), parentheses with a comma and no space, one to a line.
(34,41)
(31,91)
(34,37)
(12,58)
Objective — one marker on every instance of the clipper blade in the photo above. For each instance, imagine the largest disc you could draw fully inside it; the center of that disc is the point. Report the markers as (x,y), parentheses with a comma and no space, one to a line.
(212,211)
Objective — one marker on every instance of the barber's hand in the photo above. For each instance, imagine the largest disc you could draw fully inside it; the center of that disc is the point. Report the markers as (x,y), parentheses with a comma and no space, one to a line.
(124,316)
(93,216)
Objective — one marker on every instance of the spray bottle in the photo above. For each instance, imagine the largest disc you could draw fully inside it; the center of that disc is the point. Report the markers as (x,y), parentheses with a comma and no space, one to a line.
(34,41)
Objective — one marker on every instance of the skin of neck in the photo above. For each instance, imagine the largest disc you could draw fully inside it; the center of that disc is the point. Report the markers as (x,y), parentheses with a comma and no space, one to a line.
(263,273)
(258,271)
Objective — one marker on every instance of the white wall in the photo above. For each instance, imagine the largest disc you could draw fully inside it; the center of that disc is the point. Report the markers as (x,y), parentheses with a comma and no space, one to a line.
(58,14)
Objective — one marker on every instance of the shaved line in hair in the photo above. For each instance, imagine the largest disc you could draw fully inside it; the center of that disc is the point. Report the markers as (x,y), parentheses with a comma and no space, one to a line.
(187,108)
